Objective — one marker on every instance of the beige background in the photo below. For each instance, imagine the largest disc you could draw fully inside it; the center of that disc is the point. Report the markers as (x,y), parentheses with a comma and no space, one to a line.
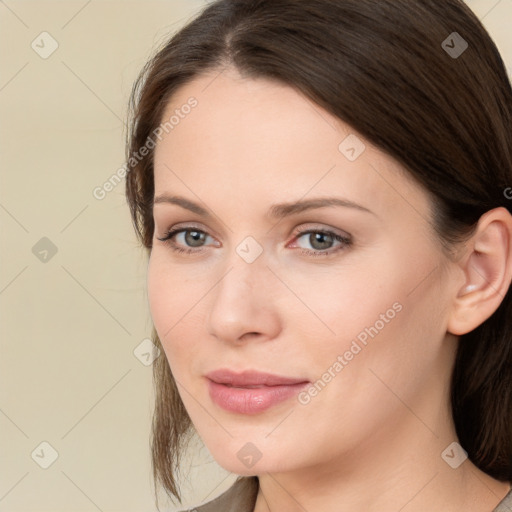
(70,321)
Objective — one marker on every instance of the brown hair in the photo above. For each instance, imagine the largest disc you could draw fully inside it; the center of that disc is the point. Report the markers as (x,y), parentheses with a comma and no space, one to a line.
(382,67)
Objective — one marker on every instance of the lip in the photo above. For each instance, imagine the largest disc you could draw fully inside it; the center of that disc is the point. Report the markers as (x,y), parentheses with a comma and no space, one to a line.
(251,392)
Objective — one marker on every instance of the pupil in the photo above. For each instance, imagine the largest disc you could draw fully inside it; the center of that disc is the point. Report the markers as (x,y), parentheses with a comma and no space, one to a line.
(318,237)
(193,237)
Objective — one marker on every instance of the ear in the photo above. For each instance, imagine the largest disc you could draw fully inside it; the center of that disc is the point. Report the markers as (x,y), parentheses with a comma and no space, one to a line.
(487,270)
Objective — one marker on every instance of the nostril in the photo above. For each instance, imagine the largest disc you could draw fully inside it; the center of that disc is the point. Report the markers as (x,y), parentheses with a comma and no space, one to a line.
(249,335)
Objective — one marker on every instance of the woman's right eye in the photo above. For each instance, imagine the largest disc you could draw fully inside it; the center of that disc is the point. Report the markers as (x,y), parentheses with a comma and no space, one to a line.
(191,237)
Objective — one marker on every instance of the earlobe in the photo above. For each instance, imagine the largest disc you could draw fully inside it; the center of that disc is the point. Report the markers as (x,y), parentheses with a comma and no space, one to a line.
(487,269)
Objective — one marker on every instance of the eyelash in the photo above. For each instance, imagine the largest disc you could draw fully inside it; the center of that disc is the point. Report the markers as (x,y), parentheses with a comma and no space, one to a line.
(346,241)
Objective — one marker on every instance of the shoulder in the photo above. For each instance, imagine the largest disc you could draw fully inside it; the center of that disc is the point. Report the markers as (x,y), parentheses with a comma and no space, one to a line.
(240,497)
(505,505)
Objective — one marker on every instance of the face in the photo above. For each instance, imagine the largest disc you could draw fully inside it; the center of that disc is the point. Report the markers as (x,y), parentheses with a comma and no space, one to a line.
(347,300)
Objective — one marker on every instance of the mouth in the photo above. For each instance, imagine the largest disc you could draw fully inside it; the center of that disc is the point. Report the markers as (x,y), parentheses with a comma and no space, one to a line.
(251,392)
(251,378)
(244,387)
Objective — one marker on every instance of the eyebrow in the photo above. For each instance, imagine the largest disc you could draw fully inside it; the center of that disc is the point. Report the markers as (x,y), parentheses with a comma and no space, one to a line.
(277,211)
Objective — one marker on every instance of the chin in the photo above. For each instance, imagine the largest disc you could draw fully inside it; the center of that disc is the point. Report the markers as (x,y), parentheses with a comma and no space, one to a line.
(247,460)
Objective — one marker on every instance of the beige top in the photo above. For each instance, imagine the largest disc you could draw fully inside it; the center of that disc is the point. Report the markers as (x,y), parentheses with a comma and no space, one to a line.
(241,497)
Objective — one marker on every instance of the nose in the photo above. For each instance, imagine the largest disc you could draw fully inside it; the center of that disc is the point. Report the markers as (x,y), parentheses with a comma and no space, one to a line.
(243,304)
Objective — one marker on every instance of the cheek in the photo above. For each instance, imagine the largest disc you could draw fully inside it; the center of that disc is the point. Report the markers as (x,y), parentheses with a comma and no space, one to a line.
(169,297)
(359,312)
(389,336)
(338,303)
(160,300)
(376,312)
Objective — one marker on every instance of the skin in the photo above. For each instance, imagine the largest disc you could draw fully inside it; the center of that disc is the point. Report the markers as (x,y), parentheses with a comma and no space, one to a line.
(372,438)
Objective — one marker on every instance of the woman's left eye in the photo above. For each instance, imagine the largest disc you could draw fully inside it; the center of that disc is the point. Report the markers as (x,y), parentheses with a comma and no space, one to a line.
(320,240)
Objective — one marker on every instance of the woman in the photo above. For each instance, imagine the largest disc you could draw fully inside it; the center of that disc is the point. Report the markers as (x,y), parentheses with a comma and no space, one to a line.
(323,188)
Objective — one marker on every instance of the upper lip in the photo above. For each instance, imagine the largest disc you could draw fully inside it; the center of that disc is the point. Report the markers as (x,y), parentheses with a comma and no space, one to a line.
(251,378)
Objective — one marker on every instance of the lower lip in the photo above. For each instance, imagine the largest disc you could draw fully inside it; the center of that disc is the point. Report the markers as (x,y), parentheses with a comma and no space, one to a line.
(251,400)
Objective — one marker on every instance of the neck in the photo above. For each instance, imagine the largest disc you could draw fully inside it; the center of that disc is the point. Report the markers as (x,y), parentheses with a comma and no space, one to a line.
(400,468)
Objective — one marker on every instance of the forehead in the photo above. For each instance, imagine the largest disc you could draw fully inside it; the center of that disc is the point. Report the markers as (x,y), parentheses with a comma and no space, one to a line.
(254,140)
